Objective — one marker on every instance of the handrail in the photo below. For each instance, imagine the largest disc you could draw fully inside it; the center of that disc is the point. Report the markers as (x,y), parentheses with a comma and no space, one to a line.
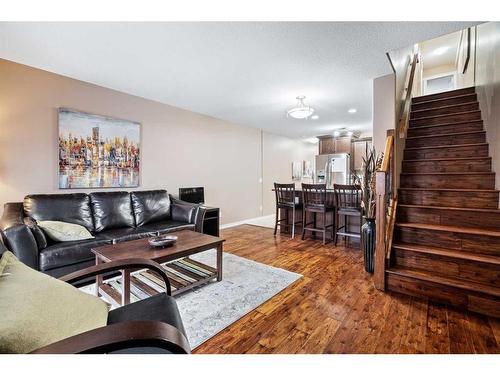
(404,113)
(389,145)
(386,204)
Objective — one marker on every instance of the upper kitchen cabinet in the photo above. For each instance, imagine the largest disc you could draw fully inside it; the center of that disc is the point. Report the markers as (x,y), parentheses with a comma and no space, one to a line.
(359,147)
(334,145)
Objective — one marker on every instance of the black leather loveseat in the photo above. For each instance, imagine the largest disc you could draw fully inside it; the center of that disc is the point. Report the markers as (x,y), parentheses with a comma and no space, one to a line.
(110,216)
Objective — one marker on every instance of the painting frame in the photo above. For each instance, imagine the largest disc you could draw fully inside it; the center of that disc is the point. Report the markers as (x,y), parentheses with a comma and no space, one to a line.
(296,170)
(97,151)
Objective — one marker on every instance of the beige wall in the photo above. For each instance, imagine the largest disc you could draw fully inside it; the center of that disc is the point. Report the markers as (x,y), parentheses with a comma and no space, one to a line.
(278,152)
(438,70)
(383,109)
(488,86)
(179,147)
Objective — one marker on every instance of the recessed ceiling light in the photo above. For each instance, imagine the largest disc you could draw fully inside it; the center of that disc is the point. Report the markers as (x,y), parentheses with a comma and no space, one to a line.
(336,133)
(315,117)
(352,110)
(441,50)
(350,134)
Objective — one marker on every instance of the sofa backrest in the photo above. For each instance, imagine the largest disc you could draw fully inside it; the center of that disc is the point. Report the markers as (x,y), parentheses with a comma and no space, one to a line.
(150,206)
(111,210)
(71,208)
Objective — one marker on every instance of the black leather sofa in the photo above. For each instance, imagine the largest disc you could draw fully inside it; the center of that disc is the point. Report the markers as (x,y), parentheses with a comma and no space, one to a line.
(110,216)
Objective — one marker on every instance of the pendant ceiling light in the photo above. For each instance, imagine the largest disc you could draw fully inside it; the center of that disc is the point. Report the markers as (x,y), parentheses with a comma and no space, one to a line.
(300,111)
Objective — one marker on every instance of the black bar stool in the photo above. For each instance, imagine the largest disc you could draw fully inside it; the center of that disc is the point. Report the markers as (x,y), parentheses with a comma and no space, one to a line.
(314,201)
(285,199)
(348,203)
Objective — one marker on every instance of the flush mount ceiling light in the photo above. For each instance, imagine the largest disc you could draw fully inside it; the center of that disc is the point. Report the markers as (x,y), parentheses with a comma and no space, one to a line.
(352,110)
(300,111)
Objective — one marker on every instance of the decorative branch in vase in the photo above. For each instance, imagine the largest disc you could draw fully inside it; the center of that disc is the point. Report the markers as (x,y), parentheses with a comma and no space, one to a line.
(371,163)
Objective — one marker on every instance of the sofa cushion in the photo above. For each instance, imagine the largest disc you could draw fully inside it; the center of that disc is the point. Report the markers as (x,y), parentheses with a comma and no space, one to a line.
(125,234)
(38,310)
(71,208)
(111,210)
(69,252)
(150,206)
(164,227)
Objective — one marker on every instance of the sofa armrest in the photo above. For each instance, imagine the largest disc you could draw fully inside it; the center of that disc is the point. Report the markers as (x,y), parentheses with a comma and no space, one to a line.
(184,211)
(17,236)
(124,335)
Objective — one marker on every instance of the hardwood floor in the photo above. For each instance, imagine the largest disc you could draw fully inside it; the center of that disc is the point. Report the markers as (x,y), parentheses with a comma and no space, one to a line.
(335,308)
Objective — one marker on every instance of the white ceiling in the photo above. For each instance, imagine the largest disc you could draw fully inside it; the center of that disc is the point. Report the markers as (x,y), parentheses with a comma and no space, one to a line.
(428,50)
(245,73)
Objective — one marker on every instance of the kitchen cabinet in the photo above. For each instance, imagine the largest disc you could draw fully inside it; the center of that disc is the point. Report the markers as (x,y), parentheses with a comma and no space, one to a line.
(359,148)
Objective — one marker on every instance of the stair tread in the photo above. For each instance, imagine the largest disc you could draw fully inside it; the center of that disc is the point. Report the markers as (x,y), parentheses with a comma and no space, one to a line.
(442,107)
(449,281)
(446,115)
(450,228)
(445,124)
(457,190)
(460,254)
(444,98)
(447,159)
(451,208)
(447,146)
(446,134)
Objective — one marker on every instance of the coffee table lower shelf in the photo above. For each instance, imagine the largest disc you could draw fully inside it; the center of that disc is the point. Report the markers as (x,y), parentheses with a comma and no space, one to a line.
(184,274)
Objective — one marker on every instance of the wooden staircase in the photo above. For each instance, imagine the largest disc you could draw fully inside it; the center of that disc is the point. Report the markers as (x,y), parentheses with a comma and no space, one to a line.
(446,244)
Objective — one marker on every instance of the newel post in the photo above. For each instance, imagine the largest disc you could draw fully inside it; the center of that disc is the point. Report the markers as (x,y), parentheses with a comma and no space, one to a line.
(380,246)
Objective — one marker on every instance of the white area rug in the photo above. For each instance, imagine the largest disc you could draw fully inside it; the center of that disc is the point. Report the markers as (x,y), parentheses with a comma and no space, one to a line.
(246,284)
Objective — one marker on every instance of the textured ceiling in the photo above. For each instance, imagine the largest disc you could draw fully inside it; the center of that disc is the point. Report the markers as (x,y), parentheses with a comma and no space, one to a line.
(246,73)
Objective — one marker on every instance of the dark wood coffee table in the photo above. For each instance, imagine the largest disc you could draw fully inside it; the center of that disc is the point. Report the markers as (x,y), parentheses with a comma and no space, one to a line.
(185,275)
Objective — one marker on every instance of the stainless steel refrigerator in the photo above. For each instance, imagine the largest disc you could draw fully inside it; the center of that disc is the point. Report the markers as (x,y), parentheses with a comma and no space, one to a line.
(333,169)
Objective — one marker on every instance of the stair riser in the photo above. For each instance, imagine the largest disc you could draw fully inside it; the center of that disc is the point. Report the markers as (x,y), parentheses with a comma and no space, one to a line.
(469,165)
(447,152)
(475,243)
(447,140)
(465,181)
(474,106)
(441,95)
(443,293)
(461,117)
(446,129)
(449,198)
(444,102)
(470,270)
(439,216)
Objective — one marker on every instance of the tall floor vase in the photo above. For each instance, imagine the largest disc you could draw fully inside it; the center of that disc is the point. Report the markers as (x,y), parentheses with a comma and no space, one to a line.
(368,243)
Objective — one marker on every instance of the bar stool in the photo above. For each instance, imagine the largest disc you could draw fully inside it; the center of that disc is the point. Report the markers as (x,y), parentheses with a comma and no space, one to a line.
(314,201)
(348,203)
(285,199)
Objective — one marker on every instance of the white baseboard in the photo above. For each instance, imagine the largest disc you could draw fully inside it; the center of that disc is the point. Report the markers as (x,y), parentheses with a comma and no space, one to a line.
(246,221)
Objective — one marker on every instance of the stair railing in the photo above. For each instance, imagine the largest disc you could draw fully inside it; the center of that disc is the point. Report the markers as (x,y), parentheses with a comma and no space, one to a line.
(385,212)
(387,177)
(404,112)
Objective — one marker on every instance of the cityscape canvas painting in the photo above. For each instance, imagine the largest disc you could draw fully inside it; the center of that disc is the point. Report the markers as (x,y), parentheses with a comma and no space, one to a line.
(97,151)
